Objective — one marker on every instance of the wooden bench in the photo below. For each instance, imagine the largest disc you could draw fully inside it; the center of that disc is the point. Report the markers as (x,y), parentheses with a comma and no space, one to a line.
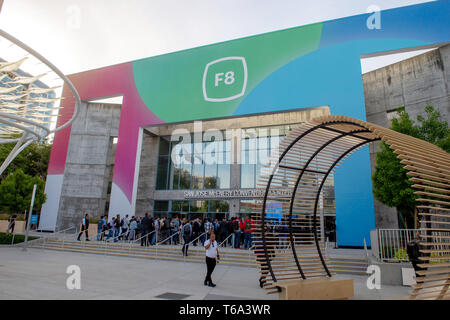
(315,289)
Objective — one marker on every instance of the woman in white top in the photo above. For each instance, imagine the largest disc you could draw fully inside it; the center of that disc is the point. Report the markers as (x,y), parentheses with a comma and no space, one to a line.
(212,252)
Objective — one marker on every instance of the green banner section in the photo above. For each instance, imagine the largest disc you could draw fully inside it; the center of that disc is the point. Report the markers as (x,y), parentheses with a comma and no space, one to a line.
(211,81)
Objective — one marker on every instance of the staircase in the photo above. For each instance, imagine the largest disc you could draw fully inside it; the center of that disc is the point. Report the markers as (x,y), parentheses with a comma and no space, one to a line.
(228,256)
(348,265)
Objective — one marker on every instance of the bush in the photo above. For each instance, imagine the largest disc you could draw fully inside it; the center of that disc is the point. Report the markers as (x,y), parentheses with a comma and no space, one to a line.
(401,254)
(18,238)
(5,216)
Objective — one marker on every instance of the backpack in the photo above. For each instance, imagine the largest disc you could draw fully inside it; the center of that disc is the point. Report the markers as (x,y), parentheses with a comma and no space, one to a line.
(248,226)
(236,225)
(186,229)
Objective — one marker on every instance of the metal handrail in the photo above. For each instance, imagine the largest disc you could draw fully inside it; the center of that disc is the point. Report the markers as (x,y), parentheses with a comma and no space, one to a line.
(118,236)
(196,238)
(140,238)
(226,239)
(168,238)
(96,235)
(146,235)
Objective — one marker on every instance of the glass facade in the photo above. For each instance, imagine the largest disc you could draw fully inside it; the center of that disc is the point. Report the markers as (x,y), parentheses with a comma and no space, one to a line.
(256,146)
(189,165)
(191,209)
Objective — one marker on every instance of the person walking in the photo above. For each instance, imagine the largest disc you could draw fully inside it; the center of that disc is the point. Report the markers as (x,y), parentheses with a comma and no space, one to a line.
(156,223)
(247,233)
(223,231)
(237,233)
(186,229)
(212,253)
(110,227)
(230,231)
(208,226)
(125,225)
(100,226)
(195,230)
(84,228)
(150,230)
(133,227)
(144,230)
(117,224)
(11,223)
(412,249)
(175,227)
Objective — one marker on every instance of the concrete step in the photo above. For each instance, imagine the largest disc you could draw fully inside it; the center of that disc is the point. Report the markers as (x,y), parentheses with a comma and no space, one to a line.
(161,248)
(148,255)
(173,252)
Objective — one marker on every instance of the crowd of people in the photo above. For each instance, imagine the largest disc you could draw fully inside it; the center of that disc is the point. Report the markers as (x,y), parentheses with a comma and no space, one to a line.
(235,232)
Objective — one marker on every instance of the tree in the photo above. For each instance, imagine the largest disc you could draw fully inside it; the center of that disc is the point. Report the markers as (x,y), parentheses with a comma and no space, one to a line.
(33,160)
(391,185)
(16,189)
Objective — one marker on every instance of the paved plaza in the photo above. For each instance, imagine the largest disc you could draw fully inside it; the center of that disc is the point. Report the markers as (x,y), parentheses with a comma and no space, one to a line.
(41,274)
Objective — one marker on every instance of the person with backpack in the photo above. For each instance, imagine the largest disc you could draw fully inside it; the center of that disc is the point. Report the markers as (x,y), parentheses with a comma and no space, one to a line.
(237,233)
(187,235)
(84,228)
(157,226)
(229,227)
(133,227)
(125,223)
(247,233)
(144,230)
(412,249)
(175,224)
(100,227)
(151,237)
(111,228)
(195,230)
(208,226)
(11,223)
(223,231)
(117,224)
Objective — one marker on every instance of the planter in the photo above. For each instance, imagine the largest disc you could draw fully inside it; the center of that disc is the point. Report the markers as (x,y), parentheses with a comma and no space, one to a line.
(19,227)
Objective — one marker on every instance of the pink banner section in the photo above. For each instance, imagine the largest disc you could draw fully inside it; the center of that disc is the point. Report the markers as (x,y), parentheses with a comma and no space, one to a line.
(95,84)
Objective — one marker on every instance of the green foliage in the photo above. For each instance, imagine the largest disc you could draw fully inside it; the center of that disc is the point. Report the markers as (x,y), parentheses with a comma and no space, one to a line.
(33,160)
(391,185)
(16,189)
(401,254)
(18,238)
(6,216)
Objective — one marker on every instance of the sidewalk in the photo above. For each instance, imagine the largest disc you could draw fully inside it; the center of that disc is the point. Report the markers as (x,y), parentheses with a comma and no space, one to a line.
(41,274)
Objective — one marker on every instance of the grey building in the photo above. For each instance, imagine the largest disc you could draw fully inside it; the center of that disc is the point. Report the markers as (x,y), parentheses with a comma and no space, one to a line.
(413,83)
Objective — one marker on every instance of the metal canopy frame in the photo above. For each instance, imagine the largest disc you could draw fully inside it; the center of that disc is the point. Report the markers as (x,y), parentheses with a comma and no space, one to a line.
(310,154)
(26,124)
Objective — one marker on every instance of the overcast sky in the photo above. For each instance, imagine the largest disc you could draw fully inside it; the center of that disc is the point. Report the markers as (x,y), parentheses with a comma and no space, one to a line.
(78,35)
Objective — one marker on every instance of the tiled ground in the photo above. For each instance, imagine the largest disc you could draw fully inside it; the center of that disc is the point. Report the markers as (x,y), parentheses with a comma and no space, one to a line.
(41,274)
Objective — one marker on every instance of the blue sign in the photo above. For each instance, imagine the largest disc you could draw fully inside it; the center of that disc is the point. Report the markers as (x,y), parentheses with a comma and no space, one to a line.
(274,210)
(34,219)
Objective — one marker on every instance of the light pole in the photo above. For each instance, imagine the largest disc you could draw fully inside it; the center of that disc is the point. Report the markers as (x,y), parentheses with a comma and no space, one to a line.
(30,213)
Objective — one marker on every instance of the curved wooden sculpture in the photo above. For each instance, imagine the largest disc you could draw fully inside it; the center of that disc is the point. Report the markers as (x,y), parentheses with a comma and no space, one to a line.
(308,156)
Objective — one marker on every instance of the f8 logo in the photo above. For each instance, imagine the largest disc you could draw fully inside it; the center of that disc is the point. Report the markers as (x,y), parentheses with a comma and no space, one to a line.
(225,79)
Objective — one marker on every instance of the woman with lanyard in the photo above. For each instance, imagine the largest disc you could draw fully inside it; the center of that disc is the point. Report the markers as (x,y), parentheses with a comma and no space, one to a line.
(212,252)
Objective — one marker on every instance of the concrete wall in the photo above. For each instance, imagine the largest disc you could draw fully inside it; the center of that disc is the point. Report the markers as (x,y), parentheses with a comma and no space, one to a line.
(89,163)
(412,83)
(147,174)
